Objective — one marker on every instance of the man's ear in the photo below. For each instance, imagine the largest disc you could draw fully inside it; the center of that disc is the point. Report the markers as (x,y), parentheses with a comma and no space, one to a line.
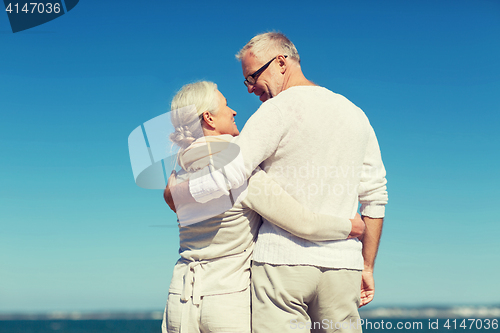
(209,119)
(282,63)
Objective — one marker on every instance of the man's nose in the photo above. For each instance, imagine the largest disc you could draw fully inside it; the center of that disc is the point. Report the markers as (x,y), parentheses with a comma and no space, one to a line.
(250,88)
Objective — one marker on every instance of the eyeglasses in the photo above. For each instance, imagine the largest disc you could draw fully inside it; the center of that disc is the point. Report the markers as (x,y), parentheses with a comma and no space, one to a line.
(252,78)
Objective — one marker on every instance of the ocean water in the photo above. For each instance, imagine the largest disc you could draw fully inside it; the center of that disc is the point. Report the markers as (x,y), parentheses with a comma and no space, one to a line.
(80,326)
(149,326)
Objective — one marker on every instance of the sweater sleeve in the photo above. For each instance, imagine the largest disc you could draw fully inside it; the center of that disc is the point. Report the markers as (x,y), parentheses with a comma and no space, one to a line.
(272,202)
(258,140)
(373,189)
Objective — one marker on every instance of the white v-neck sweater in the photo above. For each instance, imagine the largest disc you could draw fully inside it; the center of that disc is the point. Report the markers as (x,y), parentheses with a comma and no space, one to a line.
(323,151)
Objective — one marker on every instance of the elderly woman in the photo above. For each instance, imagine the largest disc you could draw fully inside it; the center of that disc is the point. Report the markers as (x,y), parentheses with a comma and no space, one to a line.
(210,290)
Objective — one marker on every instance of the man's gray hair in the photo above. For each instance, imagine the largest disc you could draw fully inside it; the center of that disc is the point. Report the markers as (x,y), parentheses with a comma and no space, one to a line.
(270,44)
(187,108)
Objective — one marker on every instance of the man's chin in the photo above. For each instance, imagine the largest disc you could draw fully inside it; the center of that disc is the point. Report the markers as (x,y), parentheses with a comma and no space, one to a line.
(264,97)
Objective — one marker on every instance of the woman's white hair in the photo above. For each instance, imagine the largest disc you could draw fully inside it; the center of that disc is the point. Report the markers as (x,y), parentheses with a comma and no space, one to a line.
(270,44)
(187,109)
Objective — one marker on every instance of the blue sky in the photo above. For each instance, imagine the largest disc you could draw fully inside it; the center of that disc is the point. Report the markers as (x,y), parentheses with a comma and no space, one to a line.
(76,233)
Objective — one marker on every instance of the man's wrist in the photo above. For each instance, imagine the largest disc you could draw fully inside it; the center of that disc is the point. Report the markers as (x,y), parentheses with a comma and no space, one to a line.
(368,268)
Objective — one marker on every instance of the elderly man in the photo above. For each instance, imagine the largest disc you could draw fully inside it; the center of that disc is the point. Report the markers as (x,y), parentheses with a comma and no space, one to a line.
(322,150)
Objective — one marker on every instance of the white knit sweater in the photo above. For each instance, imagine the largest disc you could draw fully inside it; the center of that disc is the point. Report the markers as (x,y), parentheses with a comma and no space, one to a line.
(322,150)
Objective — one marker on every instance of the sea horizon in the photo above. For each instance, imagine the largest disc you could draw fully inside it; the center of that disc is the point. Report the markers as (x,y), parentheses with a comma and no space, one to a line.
(382,311)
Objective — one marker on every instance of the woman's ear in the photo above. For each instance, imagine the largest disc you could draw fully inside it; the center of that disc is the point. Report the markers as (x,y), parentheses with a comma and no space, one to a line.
(209,119)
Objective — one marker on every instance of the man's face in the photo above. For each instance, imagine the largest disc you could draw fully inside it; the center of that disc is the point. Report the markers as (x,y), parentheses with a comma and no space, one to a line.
(268,83)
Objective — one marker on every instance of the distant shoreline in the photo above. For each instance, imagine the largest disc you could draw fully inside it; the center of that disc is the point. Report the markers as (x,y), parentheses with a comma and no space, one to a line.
(378,312)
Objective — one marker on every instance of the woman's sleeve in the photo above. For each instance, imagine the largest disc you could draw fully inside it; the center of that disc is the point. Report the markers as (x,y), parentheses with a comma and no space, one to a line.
(272,202)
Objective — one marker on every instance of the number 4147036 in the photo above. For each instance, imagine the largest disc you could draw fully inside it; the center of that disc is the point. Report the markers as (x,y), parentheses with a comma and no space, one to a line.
(472,324)
(34,7)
